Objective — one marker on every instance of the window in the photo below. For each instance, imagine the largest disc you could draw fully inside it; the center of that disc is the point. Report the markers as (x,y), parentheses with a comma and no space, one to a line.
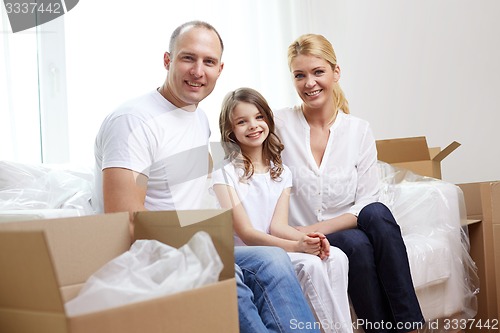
(19,95)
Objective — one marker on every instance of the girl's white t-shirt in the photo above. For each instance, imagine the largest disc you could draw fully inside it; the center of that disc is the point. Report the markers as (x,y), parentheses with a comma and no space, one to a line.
(259,195)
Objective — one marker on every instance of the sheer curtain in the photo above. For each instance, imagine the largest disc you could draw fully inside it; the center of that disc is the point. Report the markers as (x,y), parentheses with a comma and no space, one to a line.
(113,58)
(19,102)
(104,52)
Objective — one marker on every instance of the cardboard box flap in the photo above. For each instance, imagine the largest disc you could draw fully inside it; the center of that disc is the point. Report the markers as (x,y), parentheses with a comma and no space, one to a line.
(173,228)
(28,281)
(80,246)
(472,196)
(403,150)
(446,151)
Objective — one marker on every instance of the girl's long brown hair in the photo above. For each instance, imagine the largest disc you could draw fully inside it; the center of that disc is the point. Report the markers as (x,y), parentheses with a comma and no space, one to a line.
(272,146)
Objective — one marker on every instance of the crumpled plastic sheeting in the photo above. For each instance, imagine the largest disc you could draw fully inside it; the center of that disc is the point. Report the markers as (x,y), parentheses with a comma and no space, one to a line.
(431,214)
(149,270)
(25,186)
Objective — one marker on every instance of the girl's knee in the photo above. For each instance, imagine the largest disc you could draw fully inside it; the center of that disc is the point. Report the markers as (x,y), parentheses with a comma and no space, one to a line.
(339,256)
(309,264)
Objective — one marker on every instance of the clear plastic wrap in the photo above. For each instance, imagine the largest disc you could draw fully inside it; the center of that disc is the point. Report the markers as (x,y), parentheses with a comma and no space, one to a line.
(432,216)
(37,188)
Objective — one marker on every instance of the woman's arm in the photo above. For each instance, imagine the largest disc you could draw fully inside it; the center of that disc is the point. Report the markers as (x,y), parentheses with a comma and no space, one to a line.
(341,222)
(228,199)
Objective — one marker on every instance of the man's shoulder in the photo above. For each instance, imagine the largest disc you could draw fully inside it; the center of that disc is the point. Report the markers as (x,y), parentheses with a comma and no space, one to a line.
(141,108)
(137,105)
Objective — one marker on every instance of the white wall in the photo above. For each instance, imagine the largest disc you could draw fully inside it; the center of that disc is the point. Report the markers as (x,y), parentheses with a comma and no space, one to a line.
(423,68)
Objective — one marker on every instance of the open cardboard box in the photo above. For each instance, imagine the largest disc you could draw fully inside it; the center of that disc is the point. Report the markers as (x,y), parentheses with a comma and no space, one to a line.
(414,154)
(482,201)
(44,263)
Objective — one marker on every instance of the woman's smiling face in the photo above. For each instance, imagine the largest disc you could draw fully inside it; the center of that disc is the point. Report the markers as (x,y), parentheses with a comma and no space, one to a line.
(314,79)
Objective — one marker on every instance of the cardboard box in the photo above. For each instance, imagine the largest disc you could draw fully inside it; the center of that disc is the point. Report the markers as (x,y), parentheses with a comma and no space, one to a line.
(414,154)
(482,201)
(44,263)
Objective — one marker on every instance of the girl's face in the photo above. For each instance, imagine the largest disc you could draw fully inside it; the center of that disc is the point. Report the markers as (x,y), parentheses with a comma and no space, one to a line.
(249,126)
(314,79)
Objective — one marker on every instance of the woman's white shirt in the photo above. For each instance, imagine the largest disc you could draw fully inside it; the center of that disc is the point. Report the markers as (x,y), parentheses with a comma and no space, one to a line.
(347,178)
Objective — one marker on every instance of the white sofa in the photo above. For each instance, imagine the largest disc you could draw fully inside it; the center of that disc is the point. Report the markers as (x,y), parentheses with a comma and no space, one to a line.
(432,217)
(430,212)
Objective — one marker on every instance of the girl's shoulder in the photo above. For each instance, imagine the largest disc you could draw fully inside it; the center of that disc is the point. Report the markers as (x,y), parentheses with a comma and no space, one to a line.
(286,169)
(286,173)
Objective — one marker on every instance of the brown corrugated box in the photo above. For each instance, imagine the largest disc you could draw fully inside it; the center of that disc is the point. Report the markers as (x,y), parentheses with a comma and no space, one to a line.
(482,201)
(414,154)
(44,263)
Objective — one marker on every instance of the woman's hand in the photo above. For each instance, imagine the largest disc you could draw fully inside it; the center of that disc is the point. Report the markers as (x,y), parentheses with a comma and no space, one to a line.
(325,244)
(310,245)
(314,243)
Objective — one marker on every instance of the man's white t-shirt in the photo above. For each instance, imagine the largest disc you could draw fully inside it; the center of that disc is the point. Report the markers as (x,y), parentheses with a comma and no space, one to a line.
(167,144)
(259,195)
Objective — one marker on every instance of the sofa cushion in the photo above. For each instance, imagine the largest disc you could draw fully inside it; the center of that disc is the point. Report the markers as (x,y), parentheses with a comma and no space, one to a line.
(430,260)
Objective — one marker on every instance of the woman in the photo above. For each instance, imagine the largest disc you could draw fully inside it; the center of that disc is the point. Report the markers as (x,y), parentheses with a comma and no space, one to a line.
(333,159)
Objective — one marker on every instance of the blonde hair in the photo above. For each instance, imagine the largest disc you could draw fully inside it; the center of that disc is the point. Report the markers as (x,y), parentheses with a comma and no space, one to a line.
(319,46)
(272,146)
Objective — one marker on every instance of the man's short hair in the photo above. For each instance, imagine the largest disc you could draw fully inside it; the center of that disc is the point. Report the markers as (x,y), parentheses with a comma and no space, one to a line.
(195,24)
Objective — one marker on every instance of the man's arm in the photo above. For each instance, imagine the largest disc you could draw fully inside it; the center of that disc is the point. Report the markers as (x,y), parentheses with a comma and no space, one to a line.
(123,190)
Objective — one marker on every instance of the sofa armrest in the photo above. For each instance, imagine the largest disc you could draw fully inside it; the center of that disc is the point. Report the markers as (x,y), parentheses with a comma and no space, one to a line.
(432,217)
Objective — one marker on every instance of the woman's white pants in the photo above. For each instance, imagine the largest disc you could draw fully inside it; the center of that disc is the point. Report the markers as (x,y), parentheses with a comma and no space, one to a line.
(324,283)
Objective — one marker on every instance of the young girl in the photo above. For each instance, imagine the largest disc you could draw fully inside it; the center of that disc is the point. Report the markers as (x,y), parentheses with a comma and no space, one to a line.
(255,184)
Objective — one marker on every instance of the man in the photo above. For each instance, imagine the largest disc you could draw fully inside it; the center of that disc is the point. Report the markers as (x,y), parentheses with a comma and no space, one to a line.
(152,154)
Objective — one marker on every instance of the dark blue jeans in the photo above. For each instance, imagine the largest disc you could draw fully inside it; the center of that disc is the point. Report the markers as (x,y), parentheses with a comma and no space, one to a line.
(380,284)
